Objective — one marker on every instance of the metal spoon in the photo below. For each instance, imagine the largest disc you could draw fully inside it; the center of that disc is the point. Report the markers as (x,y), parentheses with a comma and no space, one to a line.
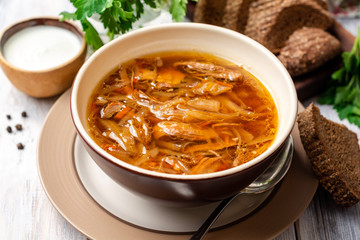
(267,180)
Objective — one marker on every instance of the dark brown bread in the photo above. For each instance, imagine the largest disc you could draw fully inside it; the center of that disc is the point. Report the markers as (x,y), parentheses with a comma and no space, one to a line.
(210,11)
(236,14)
(261,17)
(334,154)
(307,49)
(231,14)
(271,22)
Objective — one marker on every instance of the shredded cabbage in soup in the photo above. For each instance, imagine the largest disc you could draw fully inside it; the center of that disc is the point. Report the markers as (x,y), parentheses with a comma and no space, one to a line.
(182,113)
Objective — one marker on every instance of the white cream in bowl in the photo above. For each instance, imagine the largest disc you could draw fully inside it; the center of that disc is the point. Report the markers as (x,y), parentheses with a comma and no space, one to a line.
(41,47)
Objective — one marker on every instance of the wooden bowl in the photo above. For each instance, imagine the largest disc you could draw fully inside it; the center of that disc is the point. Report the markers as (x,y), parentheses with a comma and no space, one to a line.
(48,82)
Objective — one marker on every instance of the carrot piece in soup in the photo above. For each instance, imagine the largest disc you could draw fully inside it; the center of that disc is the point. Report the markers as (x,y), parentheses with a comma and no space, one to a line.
(122,113)
(170,75)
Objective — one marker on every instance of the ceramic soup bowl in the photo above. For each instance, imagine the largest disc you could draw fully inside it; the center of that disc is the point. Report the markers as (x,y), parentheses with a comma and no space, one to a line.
(185,190)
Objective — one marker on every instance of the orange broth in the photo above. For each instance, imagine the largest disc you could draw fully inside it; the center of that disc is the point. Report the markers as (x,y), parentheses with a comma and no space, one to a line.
(182,113)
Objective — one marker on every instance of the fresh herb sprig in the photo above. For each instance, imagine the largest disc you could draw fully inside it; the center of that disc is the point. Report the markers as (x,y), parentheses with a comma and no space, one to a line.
(117,16)
(343,90)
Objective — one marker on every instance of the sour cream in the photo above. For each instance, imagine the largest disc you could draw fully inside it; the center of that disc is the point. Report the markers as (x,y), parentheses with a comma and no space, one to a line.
(41,47)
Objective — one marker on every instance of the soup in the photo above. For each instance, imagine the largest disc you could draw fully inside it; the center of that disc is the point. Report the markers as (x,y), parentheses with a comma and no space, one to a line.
(182,113)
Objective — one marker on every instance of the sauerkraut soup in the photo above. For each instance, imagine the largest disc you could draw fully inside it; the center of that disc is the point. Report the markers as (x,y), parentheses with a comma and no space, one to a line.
(182,113)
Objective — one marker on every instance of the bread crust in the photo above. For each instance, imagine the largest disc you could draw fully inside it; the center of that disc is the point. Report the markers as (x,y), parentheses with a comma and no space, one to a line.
(307,49)
(272,22)
(334,154)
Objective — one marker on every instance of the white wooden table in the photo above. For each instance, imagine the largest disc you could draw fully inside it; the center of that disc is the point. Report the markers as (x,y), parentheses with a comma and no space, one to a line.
(26,212)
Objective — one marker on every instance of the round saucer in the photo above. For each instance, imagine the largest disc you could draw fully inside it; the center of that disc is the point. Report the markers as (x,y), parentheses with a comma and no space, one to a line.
(147,214)
(65,190)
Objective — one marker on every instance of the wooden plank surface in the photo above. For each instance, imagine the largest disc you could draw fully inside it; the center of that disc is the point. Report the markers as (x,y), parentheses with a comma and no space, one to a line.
(323,219)
(25,211)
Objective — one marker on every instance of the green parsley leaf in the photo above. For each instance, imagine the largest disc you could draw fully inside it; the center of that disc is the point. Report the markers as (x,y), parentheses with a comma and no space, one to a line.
(343,90)
(86,8)
(178,9)
(327,97)
(139,8)
(151,3)
(92,37)
(116,19)
(67,15)
(356,100)
(117,16)
(355,119)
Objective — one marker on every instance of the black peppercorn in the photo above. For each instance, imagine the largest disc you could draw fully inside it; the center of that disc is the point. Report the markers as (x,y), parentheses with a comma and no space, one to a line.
(18,127)
(20,146)
(9,129)
(8,116)
(24,114)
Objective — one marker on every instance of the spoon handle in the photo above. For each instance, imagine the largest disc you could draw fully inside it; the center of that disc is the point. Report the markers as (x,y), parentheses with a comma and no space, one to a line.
(200,233)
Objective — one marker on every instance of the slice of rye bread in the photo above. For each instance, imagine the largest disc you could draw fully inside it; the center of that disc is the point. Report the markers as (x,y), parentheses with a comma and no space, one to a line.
(210,11)
(271,22)
(236,14)
(260,19)
(334,154)
(307,49)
